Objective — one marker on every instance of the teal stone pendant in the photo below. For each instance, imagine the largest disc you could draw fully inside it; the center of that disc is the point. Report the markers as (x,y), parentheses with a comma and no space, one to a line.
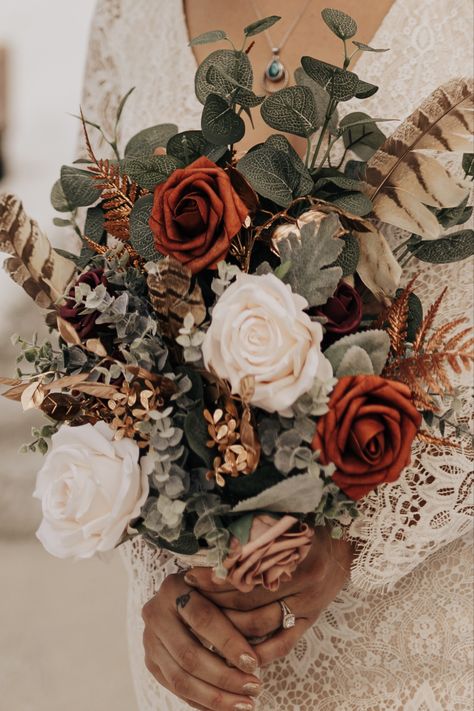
(276,76)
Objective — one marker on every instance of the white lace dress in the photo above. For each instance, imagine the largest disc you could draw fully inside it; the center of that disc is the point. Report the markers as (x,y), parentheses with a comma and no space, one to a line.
(399,636)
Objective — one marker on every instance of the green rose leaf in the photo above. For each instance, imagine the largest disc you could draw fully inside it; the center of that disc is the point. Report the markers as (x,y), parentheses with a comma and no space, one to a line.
(291,110)
(79,186)
(341,84)
(376,345)
(444,250)
(219,123)
(235,64)
(367,48)
(312,272)
(141,236)
(338,22)
(145,142)
(468,163)
(356,203)
(149,171)
(208,37)
(58,198)
(260,25)
(361,135)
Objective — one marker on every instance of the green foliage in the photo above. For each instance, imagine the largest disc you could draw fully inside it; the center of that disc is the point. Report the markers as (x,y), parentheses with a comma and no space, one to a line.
(311,273)
(219,122)
(195,429)
(188,146)
(297,494)
(415,314)
(235,64)
(361,135)
(226,86)
(94,224)
(209,509)
(79,187)
(145,142)
(260,25)
(320,96)
(208,37)
(185,544)
(338,22)
(149,171)
(367,48)
(452,216)
(349,257)
(240,527)
(292,110)
(341,84)
(468,164)
(364,89)
(346,358)
(304,181)
(141,236)
(58,199)
(444,250)
(354,202)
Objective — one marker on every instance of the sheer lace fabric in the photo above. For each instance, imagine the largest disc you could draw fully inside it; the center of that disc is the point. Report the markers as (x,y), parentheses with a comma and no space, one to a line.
(399,636)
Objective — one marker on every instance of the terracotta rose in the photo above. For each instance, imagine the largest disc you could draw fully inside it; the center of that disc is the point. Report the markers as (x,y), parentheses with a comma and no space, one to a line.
(367,433)
(275,548)
(195,214)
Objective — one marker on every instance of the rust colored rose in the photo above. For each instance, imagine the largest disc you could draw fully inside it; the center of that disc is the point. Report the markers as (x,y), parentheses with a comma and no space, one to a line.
(367,433)
(274,549)
(84,322)
(195,214)
(343,311)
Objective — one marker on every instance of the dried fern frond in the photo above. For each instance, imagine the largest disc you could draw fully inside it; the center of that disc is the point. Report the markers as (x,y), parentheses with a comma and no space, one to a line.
(402,178)
(428,438)
(428,321)
(395,319)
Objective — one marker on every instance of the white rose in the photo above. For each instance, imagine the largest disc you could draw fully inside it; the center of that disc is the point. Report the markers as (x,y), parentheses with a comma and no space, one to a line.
(259,329)
(90,488)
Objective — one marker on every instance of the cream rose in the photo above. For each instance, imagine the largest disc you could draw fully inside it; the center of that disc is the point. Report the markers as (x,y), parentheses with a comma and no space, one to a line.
(90,488)
(259,329)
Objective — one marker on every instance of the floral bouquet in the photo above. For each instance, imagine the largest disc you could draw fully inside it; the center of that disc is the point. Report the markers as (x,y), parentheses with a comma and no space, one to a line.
(232,360)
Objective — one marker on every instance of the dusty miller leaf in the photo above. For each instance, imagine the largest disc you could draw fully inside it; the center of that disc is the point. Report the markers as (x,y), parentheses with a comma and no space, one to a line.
(375,343)
(297,494)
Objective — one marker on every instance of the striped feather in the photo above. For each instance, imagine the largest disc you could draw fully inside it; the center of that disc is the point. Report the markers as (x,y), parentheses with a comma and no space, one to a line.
(172,296)
(402,178)
(33,264)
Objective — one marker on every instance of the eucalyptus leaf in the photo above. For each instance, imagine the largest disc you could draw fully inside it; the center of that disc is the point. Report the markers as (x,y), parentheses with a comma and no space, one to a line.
(415,314)
(444,250)
(58,198)
(452,216)
(219,122)
(186,544)
(362,138)
(356,169)
(343,25)
(364,89)
(141,236)
(341,84)
(301,493)
(234,63)
(320,96)
(349,257)
(356,203)
(468,164)
(145,142)
(94,224)
(311,273)
(230,89)
(195,429)
(208,37)
(270,173)
(367,48)
(149,171)
(58,222)
(292,110)
(339,181)
(79,186)
(260,25)
(304,184)
(188,146)
(375,343)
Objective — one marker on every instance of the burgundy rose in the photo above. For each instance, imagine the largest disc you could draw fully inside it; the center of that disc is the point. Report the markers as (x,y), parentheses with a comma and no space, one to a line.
(343,311)
(84,323)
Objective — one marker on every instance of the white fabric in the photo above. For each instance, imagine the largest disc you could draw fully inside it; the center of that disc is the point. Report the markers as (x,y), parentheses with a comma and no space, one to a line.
(399,636)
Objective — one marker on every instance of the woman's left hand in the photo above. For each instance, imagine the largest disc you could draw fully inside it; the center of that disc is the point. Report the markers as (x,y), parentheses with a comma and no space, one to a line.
(314,585)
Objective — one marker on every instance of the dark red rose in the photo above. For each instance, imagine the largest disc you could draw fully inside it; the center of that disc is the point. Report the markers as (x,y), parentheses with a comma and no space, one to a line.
(343,311)
(195,214)
(84,323)
(367,432)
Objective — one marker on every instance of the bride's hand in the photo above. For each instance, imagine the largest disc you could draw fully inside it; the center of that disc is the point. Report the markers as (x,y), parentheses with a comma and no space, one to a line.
(183,665)
(314,585)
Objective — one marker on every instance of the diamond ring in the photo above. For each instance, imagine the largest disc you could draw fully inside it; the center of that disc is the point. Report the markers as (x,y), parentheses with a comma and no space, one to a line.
(288,618)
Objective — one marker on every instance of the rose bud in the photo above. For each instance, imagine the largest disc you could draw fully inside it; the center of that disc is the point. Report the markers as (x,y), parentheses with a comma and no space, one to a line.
(196,213)
(343,311)
(84,323)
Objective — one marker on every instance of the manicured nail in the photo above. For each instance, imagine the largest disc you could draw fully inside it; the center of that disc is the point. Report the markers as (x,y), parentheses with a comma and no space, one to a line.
(243,707)
(252,689)
(247,663)
(190,579)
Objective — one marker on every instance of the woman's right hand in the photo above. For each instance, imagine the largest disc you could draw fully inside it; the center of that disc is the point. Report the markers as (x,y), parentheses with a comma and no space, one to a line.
(178,660)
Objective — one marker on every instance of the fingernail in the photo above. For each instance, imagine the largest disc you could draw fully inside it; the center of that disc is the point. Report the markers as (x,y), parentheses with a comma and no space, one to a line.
(190,579)
(252,689)
(243,707)
(248,663)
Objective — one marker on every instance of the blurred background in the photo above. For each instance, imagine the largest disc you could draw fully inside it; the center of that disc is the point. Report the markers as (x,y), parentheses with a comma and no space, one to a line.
(60,622)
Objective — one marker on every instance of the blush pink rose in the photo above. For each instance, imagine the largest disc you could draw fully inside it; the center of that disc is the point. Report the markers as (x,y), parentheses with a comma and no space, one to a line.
(274,550)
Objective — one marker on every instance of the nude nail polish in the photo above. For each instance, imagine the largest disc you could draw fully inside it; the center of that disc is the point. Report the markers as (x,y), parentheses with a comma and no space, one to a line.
(252,689)
(247,663)
(190,579)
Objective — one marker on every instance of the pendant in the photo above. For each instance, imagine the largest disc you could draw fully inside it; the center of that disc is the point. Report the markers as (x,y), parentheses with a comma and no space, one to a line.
(275,76)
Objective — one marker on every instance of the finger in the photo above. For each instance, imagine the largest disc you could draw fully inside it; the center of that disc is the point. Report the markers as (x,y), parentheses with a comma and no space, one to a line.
(264,620)
(155,671)
(257,598)
(203,617)
(204,579)
(194,659)
(197,691)
(281,643)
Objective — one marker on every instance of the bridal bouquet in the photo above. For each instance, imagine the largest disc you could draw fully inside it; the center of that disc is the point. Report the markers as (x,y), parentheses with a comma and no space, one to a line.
(232,359)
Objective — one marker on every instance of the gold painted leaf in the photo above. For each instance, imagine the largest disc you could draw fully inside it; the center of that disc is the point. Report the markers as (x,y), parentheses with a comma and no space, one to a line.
(402,178)
(67,332)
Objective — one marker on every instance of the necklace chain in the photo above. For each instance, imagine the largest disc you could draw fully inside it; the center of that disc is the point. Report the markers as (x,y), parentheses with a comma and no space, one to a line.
(277,48)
